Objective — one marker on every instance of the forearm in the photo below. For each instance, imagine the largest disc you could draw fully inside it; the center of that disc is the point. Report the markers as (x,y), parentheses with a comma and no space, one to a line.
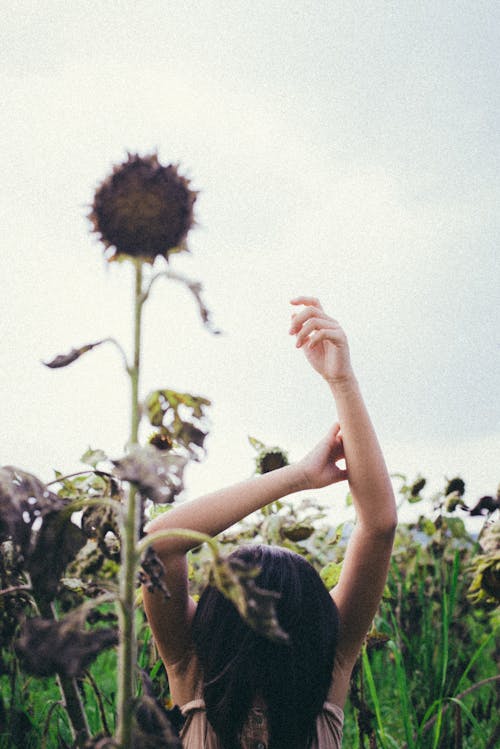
(369,481)
(213,513)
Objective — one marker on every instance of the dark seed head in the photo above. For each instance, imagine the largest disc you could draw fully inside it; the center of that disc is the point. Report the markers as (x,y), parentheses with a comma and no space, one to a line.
(143,209)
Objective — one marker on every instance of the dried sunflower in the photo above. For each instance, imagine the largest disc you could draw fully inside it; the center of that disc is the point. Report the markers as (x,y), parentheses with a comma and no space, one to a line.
(143,209)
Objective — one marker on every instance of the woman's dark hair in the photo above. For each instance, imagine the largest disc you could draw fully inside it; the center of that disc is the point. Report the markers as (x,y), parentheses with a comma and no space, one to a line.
(238,665)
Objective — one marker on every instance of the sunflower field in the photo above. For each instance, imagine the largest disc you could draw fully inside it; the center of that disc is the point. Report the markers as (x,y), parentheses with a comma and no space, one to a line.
(78,667)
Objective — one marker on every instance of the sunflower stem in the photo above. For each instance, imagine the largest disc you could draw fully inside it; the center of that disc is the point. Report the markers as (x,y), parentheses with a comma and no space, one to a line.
(127,652)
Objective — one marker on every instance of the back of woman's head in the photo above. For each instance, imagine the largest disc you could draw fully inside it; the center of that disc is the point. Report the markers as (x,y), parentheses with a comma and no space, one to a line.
(239,665)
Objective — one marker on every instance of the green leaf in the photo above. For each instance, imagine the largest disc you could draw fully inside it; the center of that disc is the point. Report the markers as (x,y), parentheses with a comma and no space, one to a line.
(256,444)
(93,457)
(330,574)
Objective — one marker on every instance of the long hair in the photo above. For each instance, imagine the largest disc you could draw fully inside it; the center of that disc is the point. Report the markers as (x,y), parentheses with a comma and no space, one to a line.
(238,665)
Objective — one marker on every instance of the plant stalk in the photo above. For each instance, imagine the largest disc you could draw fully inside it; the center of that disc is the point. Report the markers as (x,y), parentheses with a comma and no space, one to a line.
(127,652)
(71,697)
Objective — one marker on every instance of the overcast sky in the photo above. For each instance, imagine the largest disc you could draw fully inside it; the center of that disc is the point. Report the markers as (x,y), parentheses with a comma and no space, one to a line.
(348,150)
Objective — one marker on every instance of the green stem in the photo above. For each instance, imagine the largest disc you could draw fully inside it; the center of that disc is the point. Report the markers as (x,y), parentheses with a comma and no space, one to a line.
(127,653)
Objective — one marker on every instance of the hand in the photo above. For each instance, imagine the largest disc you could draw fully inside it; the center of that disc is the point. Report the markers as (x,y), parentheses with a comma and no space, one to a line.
(322,339)
(320,467)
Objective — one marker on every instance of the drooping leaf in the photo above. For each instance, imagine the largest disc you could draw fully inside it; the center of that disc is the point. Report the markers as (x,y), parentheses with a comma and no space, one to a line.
(236,580)
(154,729)
(62,360)
(24,499)
(156,726)
(152,573)
(485,506)
(157,475)
(57,542)
(47,647)
(99,523)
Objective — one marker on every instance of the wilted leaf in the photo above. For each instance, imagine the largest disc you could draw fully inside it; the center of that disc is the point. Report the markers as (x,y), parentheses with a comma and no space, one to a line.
(23,500)
(64,359)
(97,522)
(157,475)
(154,729)
(152,573)
(56,543)
(485,506)
(236,580)
(47,647)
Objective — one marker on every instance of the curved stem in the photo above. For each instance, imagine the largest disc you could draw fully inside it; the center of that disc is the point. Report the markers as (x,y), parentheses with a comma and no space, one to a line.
(151,538)
(127,652)
(80,473)
(121,351)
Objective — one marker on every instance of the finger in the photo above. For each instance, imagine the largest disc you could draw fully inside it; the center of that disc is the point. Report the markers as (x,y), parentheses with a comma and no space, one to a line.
(335,335)
(311,329)
(311,301)
(308,313)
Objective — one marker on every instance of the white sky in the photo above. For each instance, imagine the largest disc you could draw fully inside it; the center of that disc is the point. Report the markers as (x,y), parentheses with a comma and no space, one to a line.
(344,149)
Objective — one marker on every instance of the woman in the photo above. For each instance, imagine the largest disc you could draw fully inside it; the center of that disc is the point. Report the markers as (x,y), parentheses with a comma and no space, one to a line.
(236,688)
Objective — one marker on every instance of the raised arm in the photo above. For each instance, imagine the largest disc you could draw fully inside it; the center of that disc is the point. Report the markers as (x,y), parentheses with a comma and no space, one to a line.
(211,514)
(366,562)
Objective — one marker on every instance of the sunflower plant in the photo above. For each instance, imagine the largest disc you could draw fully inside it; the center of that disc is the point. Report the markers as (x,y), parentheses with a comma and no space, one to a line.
(59,571)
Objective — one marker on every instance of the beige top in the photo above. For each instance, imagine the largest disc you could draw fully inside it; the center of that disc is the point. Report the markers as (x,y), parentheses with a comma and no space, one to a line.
(197,733)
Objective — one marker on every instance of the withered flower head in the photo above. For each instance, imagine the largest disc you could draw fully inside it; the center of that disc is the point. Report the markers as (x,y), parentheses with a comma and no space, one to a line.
(143,209)
(455,485)
(269,459)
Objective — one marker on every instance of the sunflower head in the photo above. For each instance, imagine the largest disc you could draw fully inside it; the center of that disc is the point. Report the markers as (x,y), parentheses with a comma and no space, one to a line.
(143,209)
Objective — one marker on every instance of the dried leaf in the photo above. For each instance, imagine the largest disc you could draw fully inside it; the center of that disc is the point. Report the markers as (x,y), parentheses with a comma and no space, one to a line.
(236,580)
(23,500)
(62,360)
(97,522)
(154,729)
(157,475)
(181,417)
(152,573)
(47,647)
(56,543)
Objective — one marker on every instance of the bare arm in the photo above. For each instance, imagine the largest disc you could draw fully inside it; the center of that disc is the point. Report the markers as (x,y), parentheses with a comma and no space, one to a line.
(171,619)
(366,563)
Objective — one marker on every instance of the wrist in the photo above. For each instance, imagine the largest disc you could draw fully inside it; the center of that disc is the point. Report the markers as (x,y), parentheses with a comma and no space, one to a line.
(343,384)
(299,480)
